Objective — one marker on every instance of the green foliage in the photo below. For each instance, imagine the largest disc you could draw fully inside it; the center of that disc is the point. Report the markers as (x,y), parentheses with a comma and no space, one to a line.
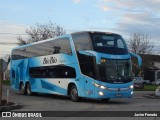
(6,82)
(148,88)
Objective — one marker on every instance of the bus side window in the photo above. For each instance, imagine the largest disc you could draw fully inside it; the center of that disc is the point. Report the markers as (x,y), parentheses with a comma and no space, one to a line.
(87,65)
(61,45)
(52,72)
(68,72)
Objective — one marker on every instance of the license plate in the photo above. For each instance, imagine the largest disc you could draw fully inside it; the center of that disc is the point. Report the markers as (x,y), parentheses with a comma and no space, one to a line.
(118,95)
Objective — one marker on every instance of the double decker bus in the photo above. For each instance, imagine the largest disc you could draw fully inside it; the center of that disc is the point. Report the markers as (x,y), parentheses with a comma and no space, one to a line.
(94,65)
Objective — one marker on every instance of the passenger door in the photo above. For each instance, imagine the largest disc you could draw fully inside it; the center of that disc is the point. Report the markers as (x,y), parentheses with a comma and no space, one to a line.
(87,66)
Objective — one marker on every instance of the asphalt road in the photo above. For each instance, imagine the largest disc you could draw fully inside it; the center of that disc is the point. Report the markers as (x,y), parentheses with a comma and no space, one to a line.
(45,102)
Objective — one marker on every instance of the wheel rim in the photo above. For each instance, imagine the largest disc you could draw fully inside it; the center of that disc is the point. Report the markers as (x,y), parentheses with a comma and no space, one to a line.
(28,89)
(74,93)
(22,88)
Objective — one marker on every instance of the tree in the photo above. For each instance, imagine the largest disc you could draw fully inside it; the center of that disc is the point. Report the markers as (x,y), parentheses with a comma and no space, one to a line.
(41,32)
(21,41)
(140,43)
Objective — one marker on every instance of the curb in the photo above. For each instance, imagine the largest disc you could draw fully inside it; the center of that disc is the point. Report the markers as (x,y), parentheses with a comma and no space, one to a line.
(151,96)
(12,107)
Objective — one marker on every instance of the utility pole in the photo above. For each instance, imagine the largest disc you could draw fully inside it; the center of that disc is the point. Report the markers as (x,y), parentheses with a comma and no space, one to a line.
(1,78)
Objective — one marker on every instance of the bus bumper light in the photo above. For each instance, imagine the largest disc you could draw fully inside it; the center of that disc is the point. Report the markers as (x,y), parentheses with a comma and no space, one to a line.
(131,87)
(101,93)
(132,93)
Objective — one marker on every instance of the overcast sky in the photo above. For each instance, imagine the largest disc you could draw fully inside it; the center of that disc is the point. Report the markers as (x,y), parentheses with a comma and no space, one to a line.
(119,16)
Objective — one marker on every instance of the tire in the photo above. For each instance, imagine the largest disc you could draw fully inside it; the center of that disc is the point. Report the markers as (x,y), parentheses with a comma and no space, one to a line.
(74,94)
(22,89)
(28,89)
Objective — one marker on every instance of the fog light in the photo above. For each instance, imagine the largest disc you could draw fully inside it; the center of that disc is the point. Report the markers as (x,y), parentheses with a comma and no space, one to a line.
(132,93)
(131,87)
(101,93)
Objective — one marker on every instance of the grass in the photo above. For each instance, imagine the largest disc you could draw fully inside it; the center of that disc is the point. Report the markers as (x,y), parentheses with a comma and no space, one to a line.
(6,82)
(148,88)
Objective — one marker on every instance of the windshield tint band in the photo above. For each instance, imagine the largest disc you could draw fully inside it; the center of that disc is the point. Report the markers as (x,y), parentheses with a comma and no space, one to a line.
(109,43)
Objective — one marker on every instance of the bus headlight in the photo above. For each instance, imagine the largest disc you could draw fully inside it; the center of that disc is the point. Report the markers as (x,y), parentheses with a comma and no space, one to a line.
(97,85)
(100,86)
(131,87)
(103,87)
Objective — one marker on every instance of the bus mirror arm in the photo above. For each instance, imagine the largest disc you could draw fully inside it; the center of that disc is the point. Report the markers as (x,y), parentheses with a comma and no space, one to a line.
(85,53)
(138,57)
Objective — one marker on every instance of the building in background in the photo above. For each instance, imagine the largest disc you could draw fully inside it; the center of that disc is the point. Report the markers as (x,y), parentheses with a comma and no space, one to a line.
(5,67)
(151,67)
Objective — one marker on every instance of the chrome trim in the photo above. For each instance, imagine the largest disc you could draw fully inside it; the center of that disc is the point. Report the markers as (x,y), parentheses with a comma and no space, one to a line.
(118,89)
(112,89)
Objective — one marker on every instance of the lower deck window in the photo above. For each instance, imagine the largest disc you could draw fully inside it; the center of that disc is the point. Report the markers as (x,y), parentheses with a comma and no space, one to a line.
(52,72)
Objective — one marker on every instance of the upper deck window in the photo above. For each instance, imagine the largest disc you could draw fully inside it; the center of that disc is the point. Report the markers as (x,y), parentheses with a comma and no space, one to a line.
(108,43)
(59,45)
(82,41)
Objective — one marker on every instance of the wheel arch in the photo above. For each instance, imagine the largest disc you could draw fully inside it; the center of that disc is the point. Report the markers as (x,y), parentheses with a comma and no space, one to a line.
(69,87)
(21,82)
(27,83)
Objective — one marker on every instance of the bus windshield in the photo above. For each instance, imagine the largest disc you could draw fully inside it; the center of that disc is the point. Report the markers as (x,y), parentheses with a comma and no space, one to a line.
(115,71)
(108,43)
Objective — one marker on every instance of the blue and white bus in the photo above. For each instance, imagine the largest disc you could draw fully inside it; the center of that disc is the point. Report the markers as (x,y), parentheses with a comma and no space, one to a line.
(94,65)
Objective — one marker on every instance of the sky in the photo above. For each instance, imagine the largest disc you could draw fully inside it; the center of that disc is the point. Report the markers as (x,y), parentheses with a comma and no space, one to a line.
(119,16)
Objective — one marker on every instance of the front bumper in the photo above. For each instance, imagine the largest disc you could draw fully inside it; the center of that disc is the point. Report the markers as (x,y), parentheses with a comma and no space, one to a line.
(114,93)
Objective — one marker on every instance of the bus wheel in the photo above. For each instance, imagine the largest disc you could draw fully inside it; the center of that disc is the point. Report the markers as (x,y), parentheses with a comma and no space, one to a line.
(74,94)
(22,89)
(28,89)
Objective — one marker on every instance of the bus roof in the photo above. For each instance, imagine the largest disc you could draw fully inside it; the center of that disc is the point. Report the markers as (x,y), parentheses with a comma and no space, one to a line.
(42,41)
(94,32)
(18,47)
